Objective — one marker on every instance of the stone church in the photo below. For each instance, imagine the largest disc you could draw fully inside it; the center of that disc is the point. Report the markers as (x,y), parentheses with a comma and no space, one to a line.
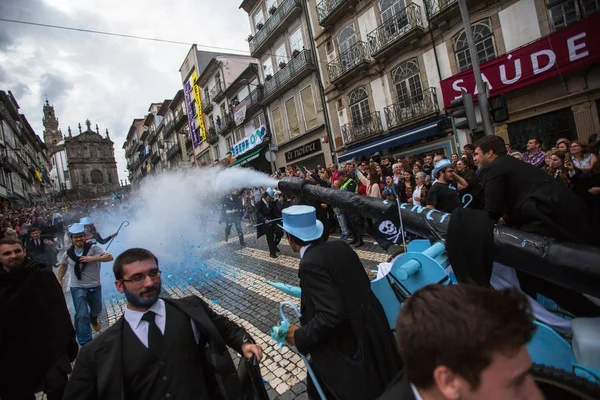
(89,158)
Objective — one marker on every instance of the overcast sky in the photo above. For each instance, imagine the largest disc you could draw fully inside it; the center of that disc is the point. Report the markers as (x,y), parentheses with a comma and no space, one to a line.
(109,80)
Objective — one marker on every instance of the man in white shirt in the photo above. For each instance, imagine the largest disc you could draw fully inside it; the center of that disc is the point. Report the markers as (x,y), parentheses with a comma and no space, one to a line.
(160,348)
(464,342)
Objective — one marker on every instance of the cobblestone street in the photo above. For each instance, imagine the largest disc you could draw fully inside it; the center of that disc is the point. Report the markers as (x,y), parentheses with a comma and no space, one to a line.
(231,281)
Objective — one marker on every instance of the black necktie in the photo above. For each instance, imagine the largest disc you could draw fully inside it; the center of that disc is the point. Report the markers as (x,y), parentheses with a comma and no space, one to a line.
(37,243)
(155,336)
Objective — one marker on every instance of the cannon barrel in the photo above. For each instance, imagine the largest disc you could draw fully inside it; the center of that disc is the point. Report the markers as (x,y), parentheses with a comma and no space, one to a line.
(570,265)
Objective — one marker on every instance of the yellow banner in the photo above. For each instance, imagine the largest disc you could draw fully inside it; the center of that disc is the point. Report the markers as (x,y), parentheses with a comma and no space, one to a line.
(198,106)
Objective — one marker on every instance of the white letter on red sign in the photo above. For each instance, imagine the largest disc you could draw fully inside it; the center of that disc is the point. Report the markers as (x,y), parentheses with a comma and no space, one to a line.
(573,55)
(459,89)
(536,65)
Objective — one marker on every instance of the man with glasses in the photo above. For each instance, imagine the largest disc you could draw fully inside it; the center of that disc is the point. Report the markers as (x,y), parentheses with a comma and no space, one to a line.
(83,260)
(160,348)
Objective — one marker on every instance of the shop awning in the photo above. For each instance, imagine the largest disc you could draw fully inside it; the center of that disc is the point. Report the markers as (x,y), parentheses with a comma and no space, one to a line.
(395,139)
(246,158)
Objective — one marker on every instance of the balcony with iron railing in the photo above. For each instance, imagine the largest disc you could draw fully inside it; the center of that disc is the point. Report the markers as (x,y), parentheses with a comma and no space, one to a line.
(144,135)
(172,151)
(362,128)
(404,27)
(227,122)
(441,10)
(274,25)
(331,11)
(292,72)
(211,135)
(217,92)
(253,100)
(207,105)
(180,118)
(349,63)
(169,129)
(152,137)
(154,158)
(409,110)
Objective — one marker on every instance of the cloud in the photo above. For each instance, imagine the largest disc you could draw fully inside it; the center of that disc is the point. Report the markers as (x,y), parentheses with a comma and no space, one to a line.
(109,80)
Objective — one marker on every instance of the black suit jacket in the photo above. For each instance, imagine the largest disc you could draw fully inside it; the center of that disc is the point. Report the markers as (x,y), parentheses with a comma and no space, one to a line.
(399,389)
(344,327)
(98,371)
(263,213)
(531,200)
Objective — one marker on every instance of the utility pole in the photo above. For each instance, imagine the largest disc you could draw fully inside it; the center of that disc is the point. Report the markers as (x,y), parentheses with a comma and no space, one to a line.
(484,107)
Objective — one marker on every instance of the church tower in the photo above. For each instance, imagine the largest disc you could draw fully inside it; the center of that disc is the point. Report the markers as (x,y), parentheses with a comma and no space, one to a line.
(52,135)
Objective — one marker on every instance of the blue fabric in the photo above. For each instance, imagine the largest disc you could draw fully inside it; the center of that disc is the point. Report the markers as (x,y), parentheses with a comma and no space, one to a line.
(88,306)
(392,140)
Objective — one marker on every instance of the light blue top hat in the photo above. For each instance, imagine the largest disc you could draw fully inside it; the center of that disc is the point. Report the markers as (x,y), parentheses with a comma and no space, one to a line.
(301,222)
(270,192)
(76,229)
(445,163)
(86,221)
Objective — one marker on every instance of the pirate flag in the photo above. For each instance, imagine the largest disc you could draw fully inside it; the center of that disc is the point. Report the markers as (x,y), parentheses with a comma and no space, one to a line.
(387,230)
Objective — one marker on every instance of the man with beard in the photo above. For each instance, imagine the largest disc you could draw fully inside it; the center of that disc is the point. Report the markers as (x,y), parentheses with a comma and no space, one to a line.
(160,348)
(267,210)
(83,259)
(444,195)
(344,327)
(37,339)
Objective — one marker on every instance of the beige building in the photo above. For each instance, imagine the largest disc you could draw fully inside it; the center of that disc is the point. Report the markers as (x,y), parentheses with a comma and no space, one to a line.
(281,41)
(391,68)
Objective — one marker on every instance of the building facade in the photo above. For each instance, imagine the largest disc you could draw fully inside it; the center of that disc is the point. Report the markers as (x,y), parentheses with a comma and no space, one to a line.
(391,68)
(24,163)
(282,42)
(91,163)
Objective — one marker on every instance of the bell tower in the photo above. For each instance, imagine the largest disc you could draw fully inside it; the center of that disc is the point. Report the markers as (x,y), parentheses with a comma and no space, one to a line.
(52,135)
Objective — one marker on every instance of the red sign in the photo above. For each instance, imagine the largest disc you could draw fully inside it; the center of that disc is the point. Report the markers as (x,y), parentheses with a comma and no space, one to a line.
(567,50)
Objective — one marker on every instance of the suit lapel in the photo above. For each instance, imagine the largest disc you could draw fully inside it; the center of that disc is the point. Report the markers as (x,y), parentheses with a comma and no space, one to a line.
(199,316)
(109,362)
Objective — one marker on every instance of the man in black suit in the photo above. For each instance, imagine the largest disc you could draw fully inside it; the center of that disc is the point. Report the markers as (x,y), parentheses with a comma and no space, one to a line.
(160,348)
(344,327)
(267,210)
(40,249)
(464,342)
(525,197)
(37,338)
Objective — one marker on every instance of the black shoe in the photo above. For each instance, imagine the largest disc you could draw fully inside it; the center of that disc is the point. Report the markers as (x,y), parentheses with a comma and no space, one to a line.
(359,244)
(278,250)
(273,255)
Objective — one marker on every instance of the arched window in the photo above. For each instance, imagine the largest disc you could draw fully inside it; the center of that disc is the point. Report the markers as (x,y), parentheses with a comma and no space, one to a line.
(407,81)
(359,105)
(97,176)
(346,38)
(484,42)
(110,178)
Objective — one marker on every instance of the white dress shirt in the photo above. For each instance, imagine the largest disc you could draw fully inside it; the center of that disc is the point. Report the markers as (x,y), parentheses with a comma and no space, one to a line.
(416,392)
(140,328)
(303,250)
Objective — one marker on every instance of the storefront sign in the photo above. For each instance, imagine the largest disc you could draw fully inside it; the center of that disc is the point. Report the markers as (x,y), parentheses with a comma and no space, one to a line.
(192,114)
(299,152)
(570,49)
(249,142)
(199,115)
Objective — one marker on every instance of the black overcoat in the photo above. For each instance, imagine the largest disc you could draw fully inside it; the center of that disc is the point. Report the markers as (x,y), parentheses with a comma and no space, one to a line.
(263,213)
(98,371)
(344,327)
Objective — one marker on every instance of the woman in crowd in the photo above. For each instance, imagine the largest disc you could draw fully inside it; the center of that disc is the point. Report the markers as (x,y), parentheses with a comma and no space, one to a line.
(454,158)
(548,161)
(562,144)
(417,168)
(406,187)
(560,167)
(420,192)
(581,159)
(390,191)
(474,189)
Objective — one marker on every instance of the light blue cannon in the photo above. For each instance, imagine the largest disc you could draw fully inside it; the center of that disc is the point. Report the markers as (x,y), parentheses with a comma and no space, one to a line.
(423,264)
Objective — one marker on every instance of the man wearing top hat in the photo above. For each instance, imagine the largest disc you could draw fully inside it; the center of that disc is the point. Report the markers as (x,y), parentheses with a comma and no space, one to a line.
(83,259)
(267,213)
(344,327)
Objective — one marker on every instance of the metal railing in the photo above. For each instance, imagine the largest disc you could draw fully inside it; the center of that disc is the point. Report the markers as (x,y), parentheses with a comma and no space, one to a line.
(207,105)
(287,73)
(172,151)
(395,27)
(411,108)
(361,128)
(217,91)
(152,137)
(211,135)
(226,123)
(435,7)
(273,23)
(357,54)
(326,7)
